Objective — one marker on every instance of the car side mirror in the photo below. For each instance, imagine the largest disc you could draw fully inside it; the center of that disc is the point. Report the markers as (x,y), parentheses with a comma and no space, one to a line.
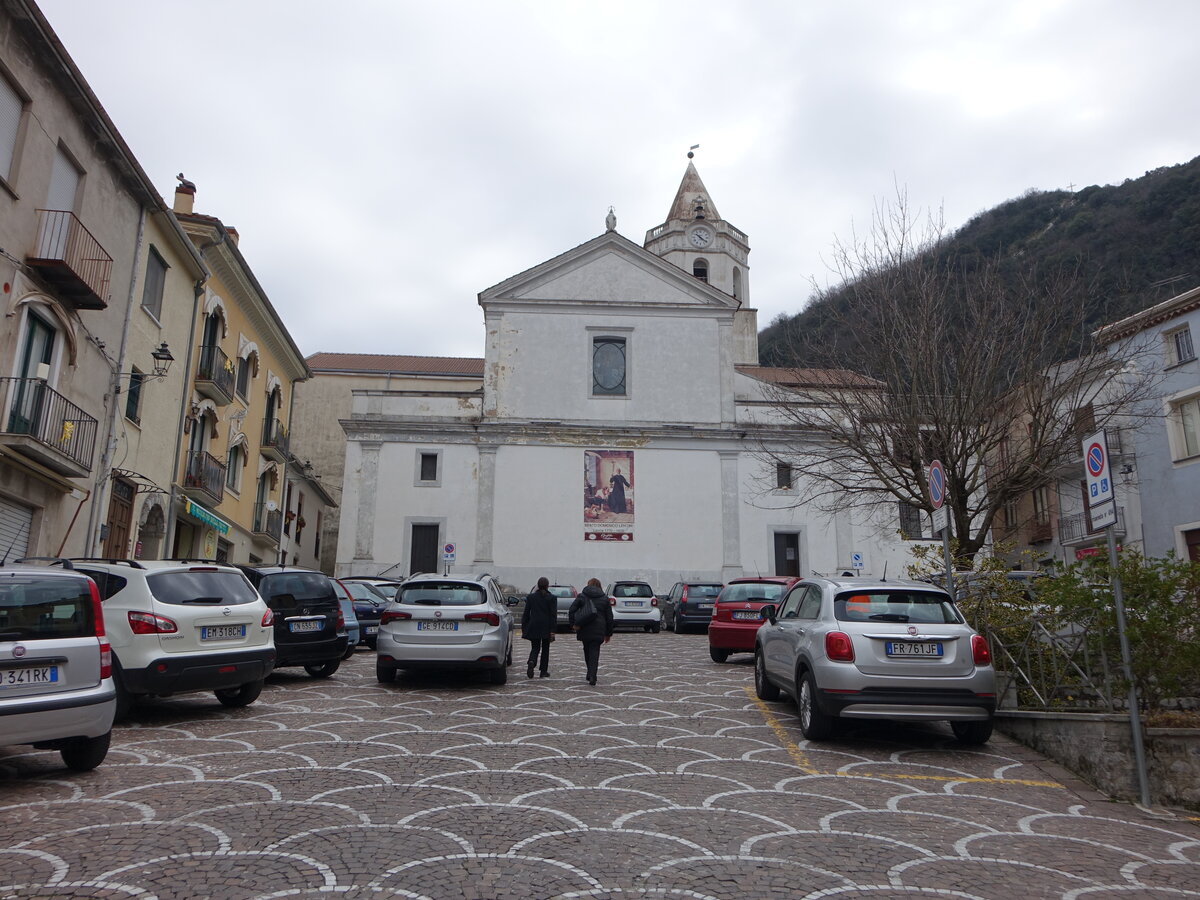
(769,612)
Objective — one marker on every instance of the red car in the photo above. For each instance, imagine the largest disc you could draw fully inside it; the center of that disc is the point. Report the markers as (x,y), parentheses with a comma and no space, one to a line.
(738,613)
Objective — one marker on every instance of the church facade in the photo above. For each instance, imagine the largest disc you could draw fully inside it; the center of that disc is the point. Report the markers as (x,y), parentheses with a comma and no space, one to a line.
(619,430)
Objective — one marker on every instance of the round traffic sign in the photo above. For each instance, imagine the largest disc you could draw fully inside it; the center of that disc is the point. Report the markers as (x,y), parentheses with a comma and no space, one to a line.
(1095,459)
(937,484)
(448,549)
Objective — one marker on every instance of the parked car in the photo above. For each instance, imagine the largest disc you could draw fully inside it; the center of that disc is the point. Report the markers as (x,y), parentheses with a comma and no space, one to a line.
(353,629)
(446,622)
(565,595)
(384,586)
(690,605)
(56,687)
(856,649)
(309,628)
(738,614)
(634,603)
(369,605)
(179,626)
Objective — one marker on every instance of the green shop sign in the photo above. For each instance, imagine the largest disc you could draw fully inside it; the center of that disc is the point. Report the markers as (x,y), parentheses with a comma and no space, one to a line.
(196,511)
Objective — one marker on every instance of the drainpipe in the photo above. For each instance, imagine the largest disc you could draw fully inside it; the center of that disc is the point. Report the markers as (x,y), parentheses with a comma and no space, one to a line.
(99,490)
(283,480)
(184,405)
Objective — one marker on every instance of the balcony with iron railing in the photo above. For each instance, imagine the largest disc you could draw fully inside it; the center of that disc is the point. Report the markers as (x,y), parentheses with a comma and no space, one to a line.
(1077,529)
(215,375)
(204,476)
(268,523)
(274,440)
(45,426)
(71,259)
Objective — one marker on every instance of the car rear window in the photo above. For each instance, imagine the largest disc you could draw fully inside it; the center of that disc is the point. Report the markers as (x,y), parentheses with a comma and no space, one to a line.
(42,609)
(703,590)
(562,591)
(443,594)
(362,591)
(283,590)
(200,588)
(632,590)
(896,606)
(740,593)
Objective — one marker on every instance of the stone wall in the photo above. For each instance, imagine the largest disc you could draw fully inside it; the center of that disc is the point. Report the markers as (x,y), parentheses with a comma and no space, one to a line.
(1098,747)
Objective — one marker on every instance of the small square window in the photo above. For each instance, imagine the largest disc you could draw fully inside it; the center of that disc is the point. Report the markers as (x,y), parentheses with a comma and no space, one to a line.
(1179,346)
(783,476)
(428,469)
(912,523)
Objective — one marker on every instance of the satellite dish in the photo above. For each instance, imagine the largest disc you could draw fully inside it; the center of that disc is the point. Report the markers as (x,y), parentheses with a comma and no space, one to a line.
(272,506)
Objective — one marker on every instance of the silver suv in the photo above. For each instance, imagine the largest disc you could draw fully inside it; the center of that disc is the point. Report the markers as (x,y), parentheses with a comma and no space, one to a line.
(855,649)
(446,622)
(179,626)
(56,687)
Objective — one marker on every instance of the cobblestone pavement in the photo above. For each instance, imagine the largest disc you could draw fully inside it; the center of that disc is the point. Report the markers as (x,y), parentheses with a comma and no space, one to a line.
(668,779)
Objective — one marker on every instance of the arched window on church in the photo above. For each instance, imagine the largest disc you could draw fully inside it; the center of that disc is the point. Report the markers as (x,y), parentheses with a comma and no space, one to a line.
(700,269)
(737,283)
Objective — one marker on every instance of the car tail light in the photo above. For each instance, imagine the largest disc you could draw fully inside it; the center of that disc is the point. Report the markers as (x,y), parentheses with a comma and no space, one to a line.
(491,618)
(980,650)
(204,569)
(105,660)
(98,621)
(654,601)
(391,616)
(683,596)
(839,647)
(612,601)
(149,623)
(268,619)
(341,623)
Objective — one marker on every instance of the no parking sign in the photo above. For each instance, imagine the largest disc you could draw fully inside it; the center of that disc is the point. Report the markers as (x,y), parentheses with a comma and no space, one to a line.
(1101,498)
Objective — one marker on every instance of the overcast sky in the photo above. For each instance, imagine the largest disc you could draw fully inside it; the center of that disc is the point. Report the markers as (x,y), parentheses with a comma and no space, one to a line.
(385,161)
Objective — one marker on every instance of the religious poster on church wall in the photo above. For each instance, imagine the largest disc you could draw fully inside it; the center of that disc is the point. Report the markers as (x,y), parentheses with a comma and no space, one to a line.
(608,504)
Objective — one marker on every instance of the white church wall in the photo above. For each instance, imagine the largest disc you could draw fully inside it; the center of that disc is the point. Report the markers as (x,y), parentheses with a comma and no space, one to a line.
(542,367)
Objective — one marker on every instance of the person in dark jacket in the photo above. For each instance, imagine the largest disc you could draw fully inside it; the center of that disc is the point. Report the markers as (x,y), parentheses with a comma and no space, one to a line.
(537,626)
(597,629)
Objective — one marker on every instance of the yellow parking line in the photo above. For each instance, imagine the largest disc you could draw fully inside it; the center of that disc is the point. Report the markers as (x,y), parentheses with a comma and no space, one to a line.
(801,760)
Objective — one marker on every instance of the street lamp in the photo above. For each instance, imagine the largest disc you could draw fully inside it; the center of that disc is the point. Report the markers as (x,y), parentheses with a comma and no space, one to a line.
(162,360)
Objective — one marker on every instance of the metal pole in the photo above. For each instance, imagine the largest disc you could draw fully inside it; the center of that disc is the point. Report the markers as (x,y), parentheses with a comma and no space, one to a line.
(1135,721)
(946,555)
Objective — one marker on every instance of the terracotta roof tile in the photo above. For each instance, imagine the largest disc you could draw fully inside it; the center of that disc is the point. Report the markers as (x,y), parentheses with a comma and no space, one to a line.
(384,363)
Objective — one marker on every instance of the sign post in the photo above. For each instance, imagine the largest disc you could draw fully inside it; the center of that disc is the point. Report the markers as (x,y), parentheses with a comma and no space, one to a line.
(448,556)
(941,516)
(1102,504)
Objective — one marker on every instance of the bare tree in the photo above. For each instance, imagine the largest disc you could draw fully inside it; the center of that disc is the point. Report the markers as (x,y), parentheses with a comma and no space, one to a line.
(981,363)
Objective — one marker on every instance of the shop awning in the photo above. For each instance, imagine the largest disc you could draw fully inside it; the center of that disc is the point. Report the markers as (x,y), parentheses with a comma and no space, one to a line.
(198,512)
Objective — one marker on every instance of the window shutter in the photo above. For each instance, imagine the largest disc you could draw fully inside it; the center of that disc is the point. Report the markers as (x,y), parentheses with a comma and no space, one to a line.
(10,122)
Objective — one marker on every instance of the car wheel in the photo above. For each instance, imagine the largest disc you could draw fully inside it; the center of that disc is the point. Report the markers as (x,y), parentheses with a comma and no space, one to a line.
(815,724)
(84,754)
(384,673)
(717,655)
(763,689)
(498,675)
(350,648)
(124,699)
(508,657)
(654,629)
(243,695)
(322,670)
(972,732)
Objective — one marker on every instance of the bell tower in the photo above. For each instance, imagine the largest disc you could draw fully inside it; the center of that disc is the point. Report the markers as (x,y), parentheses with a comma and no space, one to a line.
(696,238)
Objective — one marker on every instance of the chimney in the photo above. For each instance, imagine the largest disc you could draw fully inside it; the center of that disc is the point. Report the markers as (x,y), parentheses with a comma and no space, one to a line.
(185,198)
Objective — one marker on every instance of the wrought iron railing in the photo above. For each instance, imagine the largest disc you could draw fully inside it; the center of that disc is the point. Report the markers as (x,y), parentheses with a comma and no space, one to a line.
(1078,528)
(37,410)
(1038,667)
(275,436)
(267,521)
(217,368)
(63,240)
(206,472)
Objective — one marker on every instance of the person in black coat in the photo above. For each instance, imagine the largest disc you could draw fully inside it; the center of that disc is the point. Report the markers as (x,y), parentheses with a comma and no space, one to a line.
(594,630)
(537,626)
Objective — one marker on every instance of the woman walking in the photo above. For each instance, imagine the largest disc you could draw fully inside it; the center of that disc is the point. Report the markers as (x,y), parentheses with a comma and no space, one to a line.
(591,617)
(537,626)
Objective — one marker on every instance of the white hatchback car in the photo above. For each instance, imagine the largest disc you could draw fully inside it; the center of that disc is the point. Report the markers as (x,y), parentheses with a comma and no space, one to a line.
(56,687)
(178,627)
(635,604)
(446,622)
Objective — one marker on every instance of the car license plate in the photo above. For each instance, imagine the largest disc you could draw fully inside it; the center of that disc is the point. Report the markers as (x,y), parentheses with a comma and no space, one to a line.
(296,627)
(746,614)
(372,629)
(914,648)
(222,632)
(635,602)
(705,606)
(28,675)
(437,626)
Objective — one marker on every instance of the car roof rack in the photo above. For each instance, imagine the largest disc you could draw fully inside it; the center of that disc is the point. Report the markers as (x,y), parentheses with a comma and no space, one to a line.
(52,560)
(132,563)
